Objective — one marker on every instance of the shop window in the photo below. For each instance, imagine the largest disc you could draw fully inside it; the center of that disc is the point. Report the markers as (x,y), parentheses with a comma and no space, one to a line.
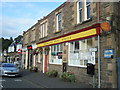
(83,44)
(85,62)
(43,30)
(56,54)
(76,45)
(39,58)
(79,54)
(89,43)
(71,46)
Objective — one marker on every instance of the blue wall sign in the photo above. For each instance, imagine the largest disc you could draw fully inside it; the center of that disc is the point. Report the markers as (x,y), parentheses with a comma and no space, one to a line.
(108,53)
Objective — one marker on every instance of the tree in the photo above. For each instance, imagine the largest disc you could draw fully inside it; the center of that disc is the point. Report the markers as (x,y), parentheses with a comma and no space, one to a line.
(11,39)
(5,43)
(18,39)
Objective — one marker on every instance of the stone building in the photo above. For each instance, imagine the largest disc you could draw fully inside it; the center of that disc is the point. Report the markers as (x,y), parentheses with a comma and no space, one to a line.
(66,37)
(29,44)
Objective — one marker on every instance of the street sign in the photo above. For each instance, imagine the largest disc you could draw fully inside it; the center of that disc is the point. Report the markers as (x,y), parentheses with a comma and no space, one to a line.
(29,47)
(93,49)
(108,53)
(19,51)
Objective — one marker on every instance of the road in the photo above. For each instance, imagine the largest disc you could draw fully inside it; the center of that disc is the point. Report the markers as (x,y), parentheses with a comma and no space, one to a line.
(37,80)
(22,81)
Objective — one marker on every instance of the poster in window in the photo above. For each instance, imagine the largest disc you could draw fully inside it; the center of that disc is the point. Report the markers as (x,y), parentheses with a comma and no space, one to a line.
(59,54)
(65,54)
(60,57)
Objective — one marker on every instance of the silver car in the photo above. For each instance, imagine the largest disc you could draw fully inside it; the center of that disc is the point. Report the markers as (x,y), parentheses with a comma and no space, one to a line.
(8,69)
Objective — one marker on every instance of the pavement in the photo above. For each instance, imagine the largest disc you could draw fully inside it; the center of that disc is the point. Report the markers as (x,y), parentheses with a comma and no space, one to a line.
(42,80)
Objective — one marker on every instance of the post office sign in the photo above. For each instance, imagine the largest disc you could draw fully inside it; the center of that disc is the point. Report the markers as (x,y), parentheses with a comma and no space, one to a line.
(108,53)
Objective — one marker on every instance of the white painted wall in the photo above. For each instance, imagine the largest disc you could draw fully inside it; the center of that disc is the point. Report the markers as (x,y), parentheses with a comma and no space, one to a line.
(19,46)
(12,49)
(9,49)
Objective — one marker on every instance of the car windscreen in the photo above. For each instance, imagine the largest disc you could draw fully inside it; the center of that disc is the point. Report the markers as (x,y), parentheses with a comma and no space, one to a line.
(8,65)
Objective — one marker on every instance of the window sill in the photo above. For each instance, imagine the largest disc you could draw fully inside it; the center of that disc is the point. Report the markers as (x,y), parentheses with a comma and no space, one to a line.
(57,31)
(77,66)
(88,20)
(55,63)
(44,37)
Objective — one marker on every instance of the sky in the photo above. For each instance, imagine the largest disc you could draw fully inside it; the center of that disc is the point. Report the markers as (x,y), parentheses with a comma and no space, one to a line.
(16,16)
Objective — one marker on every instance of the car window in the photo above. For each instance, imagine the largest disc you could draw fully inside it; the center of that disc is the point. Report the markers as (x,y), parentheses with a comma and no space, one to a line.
(8,65)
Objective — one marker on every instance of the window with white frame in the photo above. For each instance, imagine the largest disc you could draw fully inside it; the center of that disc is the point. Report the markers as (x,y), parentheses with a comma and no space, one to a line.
(87,10)
(79,11)
(43,30)
(79,54)
(56,54)
(59,21)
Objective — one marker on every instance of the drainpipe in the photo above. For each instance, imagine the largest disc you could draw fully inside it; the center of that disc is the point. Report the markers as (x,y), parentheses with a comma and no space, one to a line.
(98,9)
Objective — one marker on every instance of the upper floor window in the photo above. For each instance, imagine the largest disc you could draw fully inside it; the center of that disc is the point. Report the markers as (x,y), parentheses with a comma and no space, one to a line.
(32,34)
(87,10)
(43,30)
(59,21)
(79,15)
(26,38)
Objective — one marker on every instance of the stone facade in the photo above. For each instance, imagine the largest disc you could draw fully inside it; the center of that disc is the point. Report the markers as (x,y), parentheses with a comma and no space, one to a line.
(108,40)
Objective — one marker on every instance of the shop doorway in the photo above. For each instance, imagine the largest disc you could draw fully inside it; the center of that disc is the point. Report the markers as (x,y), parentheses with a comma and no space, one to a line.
(64,67)
(45,63)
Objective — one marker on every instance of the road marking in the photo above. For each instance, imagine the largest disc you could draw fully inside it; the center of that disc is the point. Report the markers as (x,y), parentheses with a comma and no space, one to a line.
(18,80)
(2,80)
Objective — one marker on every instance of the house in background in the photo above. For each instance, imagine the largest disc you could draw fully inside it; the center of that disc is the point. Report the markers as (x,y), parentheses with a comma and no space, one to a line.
(11,52)
(14,52)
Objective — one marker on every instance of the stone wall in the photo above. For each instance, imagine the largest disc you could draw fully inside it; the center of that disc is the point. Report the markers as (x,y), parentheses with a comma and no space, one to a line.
(55,67)
(108,40)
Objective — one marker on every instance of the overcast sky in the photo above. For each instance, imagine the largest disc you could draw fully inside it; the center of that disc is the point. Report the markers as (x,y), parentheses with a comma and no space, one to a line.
(17,17)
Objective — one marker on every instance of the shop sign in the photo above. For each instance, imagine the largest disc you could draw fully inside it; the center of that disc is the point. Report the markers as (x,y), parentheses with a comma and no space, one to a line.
(29,47)
(105,26)
(108,53)
(19,51)
(75,36)
(93,58)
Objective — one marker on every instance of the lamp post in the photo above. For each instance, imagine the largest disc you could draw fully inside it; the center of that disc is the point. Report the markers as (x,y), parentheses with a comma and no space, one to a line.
(99,84)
